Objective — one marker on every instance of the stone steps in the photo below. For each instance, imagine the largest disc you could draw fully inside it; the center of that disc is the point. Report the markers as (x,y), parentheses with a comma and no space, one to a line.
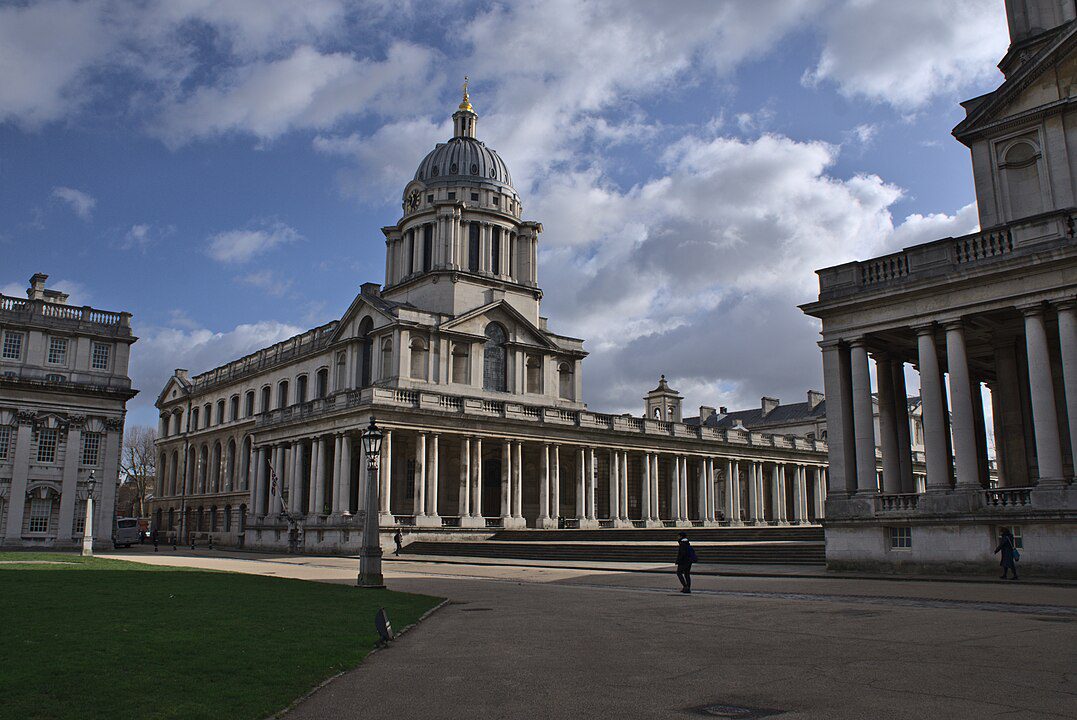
(807,533)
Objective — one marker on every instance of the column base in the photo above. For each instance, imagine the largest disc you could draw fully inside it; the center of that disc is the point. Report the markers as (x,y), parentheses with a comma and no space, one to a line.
(588,524)
(682,523)
(513,523)
(428,521)
(653,523)
(469,521)
(547,523)
(386,519)
(622,523)
(711,523)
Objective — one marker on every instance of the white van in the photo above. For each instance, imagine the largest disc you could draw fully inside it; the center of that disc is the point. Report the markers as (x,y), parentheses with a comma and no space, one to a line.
(127,532)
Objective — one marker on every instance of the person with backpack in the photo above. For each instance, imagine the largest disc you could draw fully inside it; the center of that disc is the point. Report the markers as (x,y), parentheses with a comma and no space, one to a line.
(1008,548)
(399,540)
(686,555)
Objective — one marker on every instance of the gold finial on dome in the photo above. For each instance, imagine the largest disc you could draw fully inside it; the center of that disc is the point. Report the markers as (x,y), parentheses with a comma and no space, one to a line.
(466,104)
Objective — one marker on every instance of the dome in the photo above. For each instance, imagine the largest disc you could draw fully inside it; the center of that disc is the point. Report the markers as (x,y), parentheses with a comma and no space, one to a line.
(463,160)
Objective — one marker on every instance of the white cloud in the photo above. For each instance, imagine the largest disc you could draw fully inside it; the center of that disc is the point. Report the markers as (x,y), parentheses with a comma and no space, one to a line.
(186,344)
(239,246)
(306,90)
(927,48)
(266,280)
(142,236)
(917,228)
(82,204)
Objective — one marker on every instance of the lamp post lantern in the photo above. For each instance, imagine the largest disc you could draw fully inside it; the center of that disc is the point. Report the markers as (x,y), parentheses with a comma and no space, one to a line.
(370,555)
(87,530)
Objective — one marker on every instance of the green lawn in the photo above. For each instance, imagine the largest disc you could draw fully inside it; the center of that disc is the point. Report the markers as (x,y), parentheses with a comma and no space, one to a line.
(111,639)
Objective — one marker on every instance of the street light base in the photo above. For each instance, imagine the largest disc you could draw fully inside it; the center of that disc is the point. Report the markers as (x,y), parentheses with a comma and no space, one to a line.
(371,582)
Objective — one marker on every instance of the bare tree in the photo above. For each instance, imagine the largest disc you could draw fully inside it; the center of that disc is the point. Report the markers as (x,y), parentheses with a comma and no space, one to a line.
(138,463)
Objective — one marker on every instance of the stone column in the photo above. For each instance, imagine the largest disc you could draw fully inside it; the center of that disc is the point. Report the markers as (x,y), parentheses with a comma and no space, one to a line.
(555,483)
(980,425)
(966,463)
(701,481)
(544,486)
(258,491)
(645,490)
(274,493)
(934,411)
(72,451)
(615,484)
(432,480)
(518,484)
(841,443)
(592,485)
(888,419)
(728,507)
(1067,342)
(863,421)
(675,490)
(753,493)
(581,484)
(385,467)
(316,494)
(776,492)
(464,509)
(711,505)
(345,488)
(476,488)
(820,493)
(1041,387)
(419,505)
(901,409)
(800,502)
(506,482)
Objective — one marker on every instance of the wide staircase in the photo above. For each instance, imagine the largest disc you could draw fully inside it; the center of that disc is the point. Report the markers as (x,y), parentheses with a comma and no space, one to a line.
(734,545)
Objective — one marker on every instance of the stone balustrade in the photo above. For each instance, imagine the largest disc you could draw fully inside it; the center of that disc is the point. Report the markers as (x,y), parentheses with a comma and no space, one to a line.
(897,502)
(22,310)
(1008,497)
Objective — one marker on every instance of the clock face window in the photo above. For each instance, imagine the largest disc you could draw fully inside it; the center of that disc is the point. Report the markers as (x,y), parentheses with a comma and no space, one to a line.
(414,199)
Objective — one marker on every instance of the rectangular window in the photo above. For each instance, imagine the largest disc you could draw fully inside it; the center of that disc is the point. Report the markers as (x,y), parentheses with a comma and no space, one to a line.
(428,247)
(58,351)
(495,252)
(900,538)
(46,445)
(474,197)
(40,510)
(91,448)
(473,247)
(12,345)
(5,442)
(99,360)
(80,517)
(452,196)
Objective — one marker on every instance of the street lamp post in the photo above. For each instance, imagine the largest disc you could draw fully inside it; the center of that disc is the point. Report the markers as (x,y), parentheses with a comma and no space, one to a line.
(87,530)
(370,555)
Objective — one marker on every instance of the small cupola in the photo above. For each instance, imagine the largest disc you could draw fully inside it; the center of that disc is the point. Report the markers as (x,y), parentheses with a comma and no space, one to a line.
(463,120)
(663,403)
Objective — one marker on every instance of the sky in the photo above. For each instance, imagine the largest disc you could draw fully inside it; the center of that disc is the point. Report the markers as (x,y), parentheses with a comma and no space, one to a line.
(222,169)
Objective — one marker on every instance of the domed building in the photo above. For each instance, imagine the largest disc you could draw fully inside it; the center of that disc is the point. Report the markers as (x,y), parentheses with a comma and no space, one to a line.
(481,403)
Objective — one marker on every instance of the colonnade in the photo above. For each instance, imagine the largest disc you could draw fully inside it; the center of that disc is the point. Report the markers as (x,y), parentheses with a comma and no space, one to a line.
(1021,370)
(435,479)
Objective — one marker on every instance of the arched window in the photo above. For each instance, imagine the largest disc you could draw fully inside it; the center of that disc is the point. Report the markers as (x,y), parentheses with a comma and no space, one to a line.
(493,359)
(282,394)
(473,247)
(229,465)
(342,372)
(220,411)
(215,469)
(203,467)
(265,399)
(386,358)
(301,389)
(245,464)
(177,422)
(194,418)
(366,344)
(234,409)
(175,473)
(249,401)
(162,472)
(534,374)
(190,485)
(1020,170)
(428,247)
(420,357)
(207,415)
(566,383)
(227,518)
(321,383)
(461,363)
(495,251)
(164,425)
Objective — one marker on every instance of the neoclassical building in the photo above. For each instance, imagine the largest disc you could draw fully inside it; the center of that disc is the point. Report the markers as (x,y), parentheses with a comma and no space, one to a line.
(987,315)
(482,403)
(63,393)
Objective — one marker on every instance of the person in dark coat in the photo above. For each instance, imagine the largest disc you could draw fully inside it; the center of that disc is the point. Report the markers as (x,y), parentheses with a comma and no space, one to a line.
(685,557)
(155,538)
(399,540)
(1008,549)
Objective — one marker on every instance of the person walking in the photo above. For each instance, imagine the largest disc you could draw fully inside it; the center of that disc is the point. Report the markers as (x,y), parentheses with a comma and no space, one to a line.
(399,540)
(154,537)
(686,555)
(1008,548)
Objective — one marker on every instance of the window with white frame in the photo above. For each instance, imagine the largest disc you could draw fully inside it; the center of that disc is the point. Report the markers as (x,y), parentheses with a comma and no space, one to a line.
(57,351)
(5,442)
(12,345)
(900,538)
(80,517)
(46,445)
(91,448)
(40,510)
(99,361)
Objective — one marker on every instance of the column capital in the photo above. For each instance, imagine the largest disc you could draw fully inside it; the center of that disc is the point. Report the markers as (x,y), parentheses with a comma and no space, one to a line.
(953,324)
(1064,304)
(1031,309)
(927,328)
(859,341)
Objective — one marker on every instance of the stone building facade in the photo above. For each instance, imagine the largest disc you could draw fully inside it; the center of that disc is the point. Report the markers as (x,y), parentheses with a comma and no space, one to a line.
(63,391)
(995,310)
(481,401)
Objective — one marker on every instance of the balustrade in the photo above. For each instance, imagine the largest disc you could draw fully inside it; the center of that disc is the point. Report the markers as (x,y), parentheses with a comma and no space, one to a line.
(1008,497)
(897,502)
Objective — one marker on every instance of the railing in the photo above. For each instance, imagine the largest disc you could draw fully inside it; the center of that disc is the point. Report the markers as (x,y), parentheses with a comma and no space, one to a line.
(492,407)
(884,269)
(57,311)
(897,502)
(985,245)
(494,522)
(408,520)
(450,521)
(1008,497)
(13,304)
(571,523)
(408,397)
(451,403)
(607,523)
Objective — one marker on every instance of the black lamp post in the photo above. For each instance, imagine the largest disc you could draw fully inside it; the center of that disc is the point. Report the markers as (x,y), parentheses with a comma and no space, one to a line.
(370,555)
(87,529)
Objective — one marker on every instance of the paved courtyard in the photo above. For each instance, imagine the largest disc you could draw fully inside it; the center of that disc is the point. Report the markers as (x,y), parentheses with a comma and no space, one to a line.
(532,642)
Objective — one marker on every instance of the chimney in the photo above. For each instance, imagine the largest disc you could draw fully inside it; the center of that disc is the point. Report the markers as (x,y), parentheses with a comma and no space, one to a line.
(814,398)
(37,286)
(182,375)
(370,288)
(769,404)
(723,410)
(705,414)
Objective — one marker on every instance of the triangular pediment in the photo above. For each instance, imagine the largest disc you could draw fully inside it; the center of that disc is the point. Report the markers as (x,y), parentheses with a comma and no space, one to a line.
(475,321)
(174,384)
(1032,86)
(363,306)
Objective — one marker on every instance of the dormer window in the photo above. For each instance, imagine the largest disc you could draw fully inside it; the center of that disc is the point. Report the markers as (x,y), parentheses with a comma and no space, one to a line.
(452,169)
(434,171)
(474,168)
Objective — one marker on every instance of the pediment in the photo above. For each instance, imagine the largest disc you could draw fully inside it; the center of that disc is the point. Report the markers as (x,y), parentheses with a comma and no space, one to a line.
(521,330)
(174,385)
(362,307)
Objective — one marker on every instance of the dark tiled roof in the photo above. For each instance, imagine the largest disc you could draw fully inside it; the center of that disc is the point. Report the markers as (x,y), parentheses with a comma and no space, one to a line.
(781,415)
